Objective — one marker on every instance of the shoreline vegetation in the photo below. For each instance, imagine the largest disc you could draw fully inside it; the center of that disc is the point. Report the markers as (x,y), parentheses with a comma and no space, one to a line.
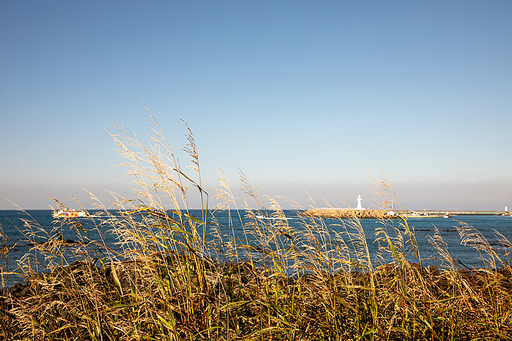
(170,282)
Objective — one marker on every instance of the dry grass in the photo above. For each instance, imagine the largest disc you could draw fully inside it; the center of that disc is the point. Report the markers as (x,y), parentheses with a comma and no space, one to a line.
(277,284)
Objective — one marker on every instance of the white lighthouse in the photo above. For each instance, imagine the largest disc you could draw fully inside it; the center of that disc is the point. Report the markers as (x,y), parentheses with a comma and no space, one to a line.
(359,206)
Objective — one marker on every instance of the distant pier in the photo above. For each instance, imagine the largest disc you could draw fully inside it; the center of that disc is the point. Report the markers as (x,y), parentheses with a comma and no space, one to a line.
(363,213)
(437,213)
(344,213)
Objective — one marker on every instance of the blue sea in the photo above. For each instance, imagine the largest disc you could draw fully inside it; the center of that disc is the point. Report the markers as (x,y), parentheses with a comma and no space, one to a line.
(15,238)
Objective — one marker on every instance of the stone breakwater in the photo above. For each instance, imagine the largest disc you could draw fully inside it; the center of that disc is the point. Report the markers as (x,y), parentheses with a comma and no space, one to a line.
(342,213)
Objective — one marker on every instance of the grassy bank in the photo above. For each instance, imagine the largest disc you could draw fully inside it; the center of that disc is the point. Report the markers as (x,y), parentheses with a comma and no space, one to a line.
(169,283)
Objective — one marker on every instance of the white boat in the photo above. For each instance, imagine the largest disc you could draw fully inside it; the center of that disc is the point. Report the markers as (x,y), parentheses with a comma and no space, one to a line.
(69,214)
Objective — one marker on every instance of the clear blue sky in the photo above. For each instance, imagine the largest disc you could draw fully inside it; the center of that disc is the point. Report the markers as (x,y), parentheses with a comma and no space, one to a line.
(300,95)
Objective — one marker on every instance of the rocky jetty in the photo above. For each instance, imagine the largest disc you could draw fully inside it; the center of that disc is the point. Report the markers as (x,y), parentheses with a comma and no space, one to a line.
(344,213)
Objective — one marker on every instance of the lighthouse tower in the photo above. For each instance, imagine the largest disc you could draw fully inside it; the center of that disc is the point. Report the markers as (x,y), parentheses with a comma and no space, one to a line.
(359,206)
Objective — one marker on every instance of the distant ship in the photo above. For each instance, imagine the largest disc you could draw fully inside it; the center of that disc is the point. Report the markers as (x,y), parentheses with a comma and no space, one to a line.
(69,214)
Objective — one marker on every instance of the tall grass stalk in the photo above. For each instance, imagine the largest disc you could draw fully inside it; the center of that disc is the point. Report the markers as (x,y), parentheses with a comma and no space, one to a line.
(176,276)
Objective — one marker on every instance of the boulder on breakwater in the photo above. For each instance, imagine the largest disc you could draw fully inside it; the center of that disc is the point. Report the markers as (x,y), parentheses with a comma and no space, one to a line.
(347,213)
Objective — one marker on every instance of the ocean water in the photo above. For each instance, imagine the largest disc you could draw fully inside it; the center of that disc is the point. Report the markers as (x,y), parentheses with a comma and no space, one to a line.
(20,241)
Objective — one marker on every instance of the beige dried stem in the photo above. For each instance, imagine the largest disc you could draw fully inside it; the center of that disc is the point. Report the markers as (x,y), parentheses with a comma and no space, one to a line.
(383,189)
